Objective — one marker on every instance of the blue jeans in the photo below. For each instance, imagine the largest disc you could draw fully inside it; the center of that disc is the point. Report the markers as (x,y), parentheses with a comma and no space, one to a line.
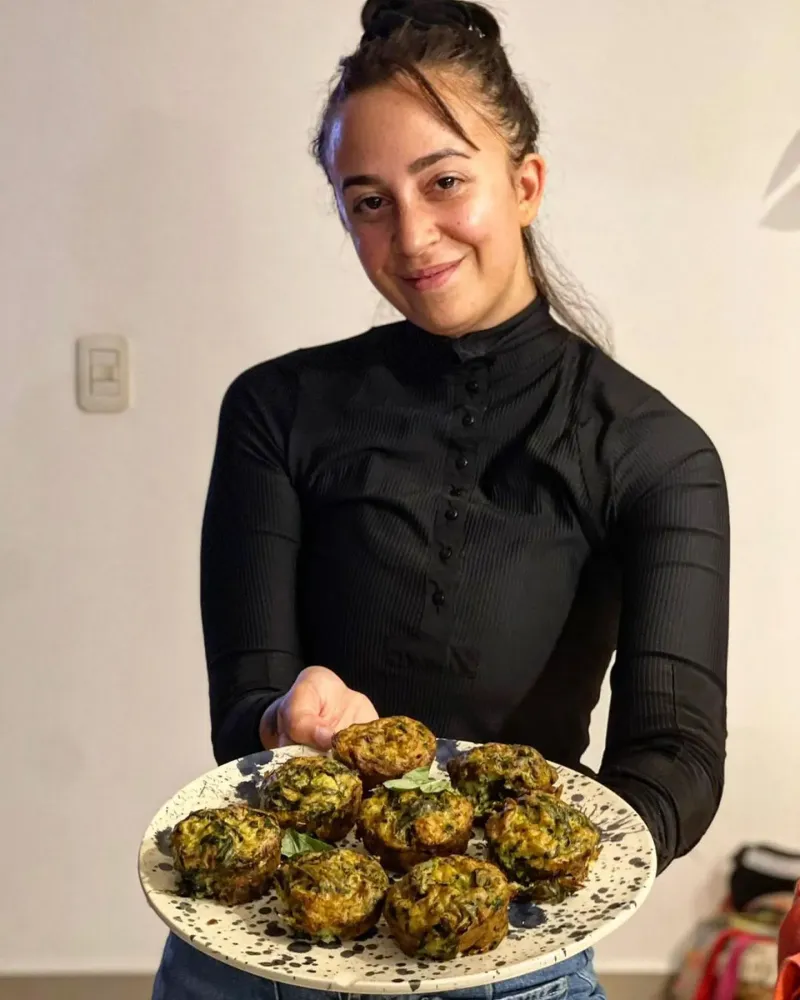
(188,974)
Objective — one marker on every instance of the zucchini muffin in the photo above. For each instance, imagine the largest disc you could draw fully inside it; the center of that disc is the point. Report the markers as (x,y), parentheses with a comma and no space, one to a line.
(544,845)
(494,772)
(406,827)
(385,749)
(229,854)
(448,907)
(314,795)
(332,895)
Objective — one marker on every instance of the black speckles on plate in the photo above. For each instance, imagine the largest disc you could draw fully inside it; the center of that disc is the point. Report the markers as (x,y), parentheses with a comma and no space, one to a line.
(164,841)
(446,750)
(250,765)
(249,792)
(299,947)
(525,915)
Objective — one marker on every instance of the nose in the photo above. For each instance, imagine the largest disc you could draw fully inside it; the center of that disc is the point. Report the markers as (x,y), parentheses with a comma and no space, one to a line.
(415,229)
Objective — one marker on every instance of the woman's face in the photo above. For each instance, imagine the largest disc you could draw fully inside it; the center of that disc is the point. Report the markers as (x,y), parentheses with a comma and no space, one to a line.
(436,224)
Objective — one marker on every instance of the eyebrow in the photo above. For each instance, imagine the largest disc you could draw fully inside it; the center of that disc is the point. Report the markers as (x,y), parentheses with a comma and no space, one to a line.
(368,180)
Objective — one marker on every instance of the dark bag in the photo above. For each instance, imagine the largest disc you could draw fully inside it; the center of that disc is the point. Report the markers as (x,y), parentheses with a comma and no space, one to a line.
(761,869)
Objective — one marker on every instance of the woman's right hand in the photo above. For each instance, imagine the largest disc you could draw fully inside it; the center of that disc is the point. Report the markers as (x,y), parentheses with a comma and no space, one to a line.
(318,705)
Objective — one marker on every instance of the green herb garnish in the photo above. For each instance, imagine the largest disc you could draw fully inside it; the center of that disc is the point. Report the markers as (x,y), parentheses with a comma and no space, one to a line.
(295,843)
(419,779)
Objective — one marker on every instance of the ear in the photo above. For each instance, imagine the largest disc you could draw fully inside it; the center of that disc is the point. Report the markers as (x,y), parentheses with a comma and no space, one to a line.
(530,180)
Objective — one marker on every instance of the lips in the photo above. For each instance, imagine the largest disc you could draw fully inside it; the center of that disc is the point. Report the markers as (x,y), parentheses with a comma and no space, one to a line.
(431,277)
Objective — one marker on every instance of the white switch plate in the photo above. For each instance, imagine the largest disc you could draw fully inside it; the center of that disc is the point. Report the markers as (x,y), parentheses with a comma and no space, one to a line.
(103,373)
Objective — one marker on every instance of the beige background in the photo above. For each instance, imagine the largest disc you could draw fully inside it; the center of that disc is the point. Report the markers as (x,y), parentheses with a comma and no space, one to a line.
(154,182)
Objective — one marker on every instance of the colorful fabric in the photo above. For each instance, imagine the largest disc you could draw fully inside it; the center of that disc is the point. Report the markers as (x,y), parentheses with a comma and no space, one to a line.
(734,956)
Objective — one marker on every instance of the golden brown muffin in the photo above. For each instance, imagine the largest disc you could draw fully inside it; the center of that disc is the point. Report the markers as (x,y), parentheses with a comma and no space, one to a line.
(494,772)
(404,828)
(448,907)
(332,895)
(229,854)
(314,795)
(544,845)
(385,749)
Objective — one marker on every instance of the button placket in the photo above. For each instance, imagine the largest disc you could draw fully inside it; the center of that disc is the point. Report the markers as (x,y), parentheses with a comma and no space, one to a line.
(467,398)
(445,570)
(470,394)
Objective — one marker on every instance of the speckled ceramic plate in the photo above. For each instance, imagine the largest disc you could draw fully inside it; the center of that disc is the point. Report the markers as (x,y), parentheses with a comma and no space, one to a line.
(252,937)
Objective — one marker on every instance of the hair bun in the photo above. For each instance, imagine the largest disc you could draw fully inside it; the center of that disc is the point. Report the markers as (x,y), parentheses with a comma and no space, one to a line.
(382,18)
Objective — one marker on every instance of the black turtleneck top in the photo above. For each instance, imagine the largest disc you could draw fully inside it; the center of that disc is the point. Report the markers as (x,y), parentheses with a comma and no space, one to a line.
(467,531)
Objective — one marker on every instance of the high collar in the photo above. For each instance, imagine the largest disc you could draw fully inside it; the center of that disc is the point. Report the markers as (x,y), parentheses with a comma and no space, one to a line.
(504,338)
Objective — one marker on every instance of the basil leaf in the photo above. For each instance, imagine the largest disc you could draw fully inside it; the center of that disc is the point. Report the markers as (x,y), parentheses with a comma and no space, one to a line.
(434,787)
(419,779)
(411,779)
(295,843)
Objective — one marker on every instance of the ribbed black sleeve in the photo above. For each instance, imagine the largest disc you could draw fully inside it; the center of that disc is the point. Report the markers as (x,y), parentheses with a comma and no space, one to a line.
(465,531)
(250,541)
(664,748)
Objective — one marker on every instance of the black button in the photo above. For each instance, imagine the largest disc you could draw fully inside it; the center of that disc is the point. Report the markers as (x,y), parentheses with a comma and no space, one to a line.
(438,599)
(456,491)
(469,420)
(451,515)
(462,462)
(473,388)
(446,553)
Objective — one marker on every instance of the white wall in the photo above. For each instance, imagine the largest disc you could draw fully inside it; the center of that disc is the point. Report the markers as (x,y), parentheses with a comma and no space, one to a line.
(154,182)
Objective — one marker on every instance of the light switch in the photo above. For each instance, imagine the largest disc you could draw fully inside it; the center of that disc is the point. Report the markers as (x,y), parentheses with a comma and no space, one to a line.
(103,376)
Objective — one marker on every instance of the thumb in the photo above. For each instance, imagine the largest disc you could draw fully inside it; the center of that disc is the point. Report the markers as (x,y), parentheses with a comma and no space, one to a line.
(323,737)
(309,729)
(314,701)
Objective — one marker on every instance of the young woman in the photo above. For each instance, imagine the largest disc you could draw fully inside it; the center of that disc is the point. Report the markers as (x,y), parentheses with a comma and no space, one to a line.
(461,516)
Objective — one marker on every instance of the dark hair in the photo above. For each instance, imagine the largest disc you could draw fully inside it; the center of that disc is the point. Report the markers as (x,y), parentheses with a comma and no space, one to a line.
(403,38)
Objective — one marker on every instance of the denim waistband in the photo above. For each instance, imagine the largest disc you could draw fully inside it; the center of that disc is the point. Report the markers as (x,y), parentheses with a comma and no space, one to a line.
(519,984)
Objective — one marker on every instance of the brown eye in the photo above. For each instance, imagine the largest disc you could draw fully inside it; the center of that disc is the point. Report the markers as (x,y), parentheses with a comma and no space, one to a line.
(369,204)
(448,183)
